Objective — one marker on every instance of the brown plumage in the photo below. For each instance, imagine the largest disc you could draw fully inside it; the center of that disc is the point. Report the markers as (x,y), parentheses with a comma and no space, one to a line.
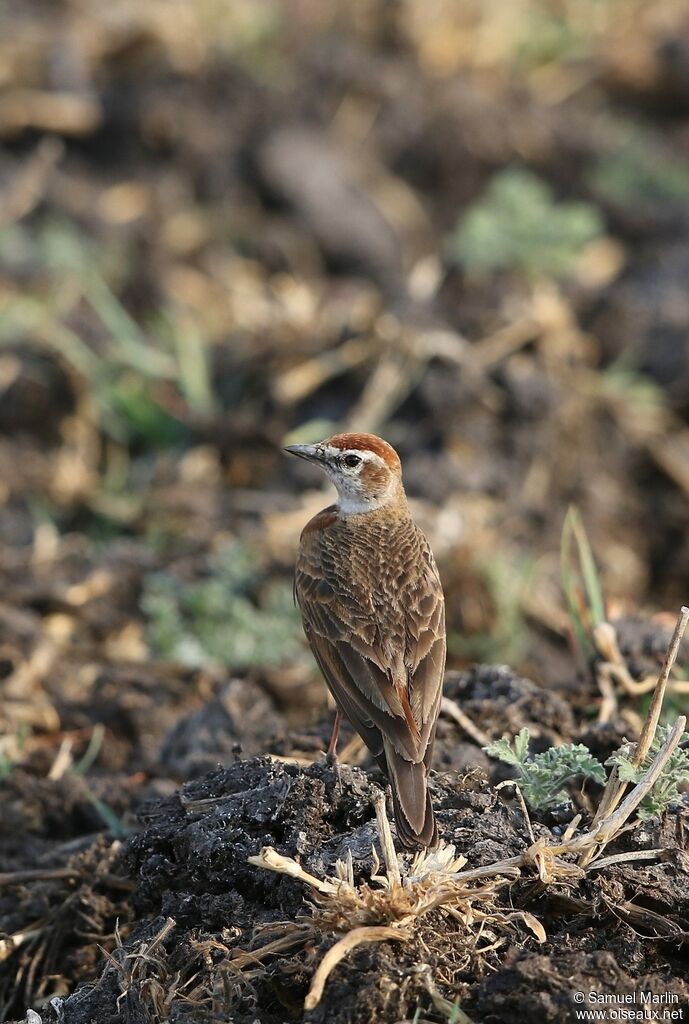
(373,612)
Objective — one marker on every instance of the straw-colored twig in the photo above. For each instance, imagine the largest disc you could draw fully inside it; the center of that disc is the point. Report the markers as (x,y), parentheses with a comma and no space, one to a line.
(452,710)
(270,860)
(12,942)
(614,790)
(613,823)
(623,858)
(351,940)
(649,730)
(613,675)
(35,875)
(386,841)
(522,803)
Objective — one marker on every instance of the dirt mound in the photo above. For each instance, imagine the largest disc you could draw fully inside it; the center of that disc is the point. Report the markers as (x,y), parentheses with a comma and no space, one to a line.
(211,936)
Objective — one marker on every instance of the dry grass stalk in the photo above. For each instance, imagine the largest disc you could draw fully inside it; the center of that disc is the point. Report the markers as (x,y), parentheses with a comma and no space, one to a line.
(621,858)
(302,380)
(613,675)
(522,804)
(35,875)
(649,731)
(145,971)
(27,188)
(615,789)
(350,941)
(386,841)
(11,943)
(452,710)
(295,936)
(614,822)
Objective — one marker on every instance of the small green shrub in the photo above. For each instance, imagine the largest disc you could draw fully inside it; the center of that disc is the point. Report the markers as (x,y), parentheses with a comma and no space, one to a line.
(666,790)
(542,777)
(519,225)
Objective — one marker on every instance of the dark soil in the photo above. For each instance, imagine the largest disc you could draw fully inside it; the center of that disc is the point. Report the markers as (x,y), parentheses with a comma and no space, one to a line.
(619,930)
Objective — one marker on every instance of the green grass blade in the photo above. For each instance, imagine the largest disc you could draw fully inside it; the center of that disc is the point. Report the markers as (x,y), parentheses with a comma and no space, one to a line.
(577,572)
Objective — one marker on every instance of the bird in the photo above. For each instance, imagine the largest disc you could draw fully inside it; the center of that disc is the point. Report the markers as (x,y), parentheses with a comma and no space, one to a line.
(373,612)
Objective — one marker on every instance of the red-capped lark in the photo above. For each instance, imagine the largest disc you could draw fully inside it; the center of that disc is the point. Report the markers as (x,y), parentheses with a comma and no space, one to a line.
(374,614)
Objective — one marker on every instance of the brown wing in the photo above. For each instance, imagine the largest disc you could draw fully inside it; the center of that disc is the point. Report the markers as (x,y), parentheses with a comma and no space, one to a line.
(376,628)
(426,645)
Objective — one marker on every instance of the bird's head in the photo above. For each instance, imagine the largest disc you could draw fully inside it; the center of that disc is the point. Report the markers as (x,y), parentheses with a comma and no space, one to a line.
(365,469)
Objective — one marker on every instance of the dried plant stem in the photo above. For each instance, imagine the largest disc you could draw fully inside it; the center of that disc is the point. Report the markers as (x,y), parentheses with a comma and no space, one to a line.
(607,827)
(167,927)
(12,942)
(388,846)
(614,790)
(297,937)
(622,858)
(522,803)
(271,860)
(357,937)
(35,875)
(612,673)
(651,724)
(452,710)
(611,797)
(614,822)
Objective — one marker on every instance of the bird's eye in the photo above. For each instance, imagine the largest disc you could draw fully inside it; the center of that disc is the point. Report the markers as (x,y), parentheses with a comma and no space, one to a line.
(351,461)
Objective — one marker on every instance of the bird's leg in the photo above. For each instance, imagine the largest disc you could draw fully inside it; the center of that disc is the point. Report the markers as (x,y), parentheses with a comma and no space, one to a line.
(331,753)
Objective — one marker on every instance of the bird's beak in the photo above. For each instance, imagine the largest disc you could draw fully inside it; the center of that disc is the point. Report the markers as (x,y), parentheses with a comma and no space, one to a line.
(310,452)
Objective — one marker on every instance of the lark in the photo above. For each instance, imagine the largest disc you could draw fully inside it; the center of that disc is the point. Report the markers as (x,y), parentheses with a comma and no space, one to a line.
(373,612)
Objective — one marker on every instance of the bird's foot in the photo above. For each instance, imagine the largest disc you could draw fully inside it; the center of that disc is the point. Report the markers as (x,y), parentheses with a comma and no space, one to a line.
(332,762)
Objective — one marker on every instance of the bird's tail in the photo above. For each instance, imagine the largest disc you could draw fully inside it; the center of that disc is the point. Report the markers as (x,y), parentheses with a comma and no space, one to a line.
(411,800)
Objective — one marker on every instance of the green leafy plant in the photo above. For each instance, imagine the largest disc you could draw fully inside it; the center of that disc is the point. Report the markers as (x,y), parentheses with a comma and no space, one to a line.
(542,777)
(228,618)
(6,766)
(519,225)
(666,790)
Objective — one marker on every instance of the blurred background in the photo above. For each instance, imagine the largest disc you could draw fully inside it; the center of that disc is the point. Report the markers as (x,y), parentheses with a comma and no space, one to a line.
(230,225)
(227,226)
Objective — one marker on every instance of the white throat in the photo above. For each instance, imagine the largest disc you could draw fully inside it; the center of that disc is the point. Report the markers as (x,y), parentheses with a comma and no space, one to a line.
(355,506)
(352,503)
